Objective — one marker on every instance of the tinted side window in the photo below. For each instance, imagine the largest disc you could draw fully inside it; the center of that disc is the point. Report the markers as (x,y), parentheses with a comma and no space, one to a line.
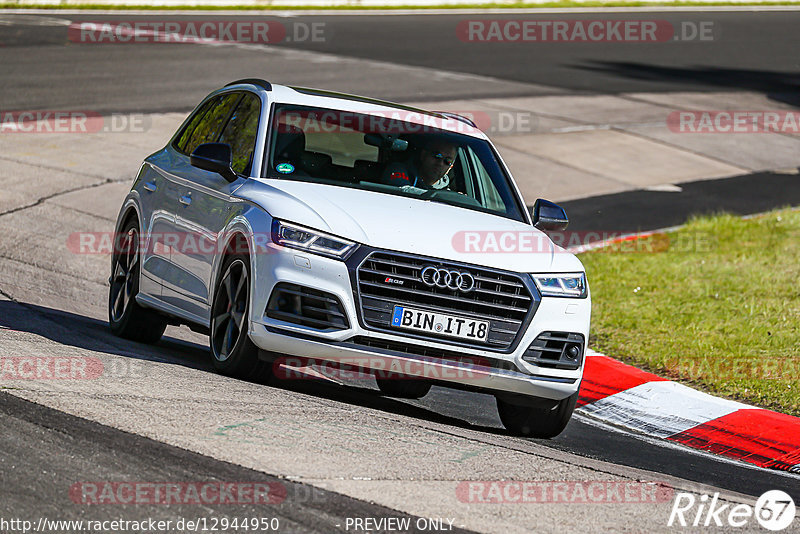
(187,132)
(209,127)
(489,196)
(240,132)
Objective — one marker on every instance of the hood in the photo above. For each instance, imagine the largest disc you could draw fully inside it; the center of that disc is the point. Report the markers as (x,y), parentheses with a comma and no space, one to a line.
(409,225)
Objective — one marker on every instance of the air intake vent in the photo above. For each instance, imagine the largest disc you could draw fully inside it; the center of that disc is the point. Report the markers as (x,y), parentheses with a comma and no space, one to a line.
(559,350)
(307,307)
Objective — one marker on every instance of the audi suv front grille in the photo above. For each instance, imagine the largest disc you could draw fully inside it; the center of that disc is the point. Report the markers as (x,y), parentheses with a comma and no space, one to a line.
(386,280)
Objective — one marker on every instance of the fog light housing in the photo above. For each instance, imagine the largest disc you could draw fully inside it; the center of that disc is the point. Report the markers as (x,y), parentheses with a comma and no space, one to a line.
(558,350)
(572,352)
(307,307)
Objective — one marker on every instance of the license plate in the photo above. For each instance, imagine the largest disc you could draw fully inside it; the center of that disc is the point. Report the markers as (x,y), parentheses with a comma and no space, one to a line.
(440,323)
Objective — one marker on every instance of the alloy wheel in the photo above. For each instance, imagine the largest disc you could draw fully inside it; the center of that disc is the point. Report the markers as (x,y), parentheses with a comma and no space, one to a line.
(230,310)
(124,273)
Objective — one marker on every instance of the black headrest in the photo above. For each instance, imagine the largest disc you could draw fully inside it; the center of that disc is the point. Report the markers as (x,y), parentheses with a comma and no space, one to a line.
(291,141)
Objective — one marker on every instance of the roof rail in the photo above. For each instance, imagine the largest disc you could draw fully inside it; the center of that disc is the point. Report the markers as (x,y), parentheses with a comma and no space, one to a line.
(457,117)
(356,98)
(264,84)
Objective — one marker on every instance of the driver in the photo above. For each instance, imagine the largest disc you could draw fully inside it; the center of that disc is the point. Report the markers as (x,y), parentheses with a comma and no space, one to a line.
(426,171)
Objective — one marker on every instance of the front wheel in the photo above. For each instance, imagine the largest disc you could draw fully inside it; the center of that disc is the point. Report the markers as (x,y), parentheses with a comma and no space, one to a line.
(536,422)
(126,317)
(233,353)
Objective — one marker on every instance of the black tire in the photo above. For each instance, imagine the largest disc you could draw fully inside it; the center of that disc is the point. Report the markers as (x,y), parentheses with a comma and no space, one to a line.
(232,351)
(536,422)
(404,387)
(126,317)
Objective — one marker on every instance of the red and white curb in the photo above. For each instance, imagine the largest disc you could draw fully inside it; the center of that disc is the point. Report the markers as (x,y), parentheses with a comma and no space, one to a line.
(624,396)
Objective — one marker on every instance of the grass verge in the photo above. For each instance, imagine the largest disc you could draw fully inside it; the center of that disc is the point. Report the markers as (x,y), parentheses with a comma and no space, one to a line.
(715,304)
(411,5)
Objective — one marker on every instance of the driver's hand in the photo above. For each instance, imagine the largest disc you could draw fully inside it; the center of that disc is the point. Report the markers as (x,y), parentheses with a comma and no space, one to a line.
(412,189)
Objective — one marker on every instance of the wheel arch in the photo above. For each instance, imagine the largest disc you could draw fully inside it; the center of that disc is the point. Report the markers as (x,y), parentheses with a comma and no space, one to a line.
(237,238)
(130,210)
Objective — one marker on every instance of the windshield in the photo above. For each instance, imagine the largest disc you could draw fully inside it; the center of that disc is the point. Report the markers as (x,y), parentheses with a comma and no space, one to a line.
(389,155)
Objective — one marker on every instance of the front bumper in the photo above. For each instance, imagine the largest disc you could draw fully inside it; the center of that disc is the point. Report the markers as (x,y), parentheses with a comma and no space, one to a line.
(493,371)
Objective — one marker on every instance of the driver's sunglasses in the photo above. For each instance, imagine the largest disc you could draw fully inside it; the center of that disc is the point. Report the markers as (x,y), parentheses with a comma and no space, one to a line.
(438,155)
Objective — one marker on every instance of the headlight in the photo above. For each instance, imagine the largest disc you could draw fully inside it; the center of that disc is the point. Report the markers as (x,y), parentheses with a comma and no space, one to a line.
(561,285)
(299,237)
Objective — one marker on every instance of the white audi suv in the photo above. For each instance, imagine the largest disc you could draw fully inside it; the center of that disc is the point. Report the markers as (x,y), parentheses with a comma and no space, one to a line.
(286,221)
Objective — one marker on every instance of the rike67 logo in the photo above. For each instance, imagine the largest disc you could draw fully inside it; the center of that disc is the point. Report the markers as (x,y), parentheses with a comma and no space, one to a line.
(774,510)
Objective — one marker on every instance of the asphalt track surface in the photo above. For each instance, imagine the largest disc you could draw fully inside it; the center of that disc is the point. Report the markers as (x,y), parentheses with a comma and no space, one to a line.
(42,70)
(749,51)
(642,210)
(94,451)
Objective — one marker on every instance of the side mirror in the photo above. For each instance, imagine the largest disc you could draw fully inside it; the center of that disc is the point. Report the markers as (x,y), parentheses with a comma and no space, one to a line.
(214,157)
(549,216)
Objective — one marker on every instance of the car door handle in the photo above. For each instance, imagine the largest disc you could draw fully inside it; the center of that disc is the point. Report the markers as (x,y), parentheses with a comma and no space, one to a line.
(185,200)
(150,186)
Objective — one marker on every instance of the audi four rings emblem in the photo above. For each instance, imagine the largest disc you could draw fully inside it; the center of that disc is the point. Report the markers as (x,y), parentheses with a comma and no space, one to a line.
(446,278)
